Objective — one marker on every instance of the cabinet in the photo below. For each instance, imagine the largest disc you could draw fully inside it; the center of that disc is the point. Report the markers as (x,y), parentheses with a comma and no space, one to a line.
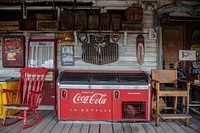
(42,53)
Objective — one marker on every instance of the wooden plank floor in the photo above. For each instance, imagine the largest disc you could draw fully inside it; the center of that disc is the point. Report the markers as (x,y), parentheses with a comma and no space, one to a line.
(50,124)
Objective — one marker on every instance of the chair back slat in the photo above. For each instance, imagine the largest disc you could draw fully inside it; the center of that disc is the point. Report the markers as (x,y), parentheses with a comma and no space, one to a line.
(31,84)
(164,76)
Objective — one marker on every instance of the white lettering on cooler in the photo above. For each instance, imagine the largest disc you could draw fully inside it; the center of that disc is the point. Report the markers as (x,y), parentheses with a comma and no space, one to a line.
(96,98)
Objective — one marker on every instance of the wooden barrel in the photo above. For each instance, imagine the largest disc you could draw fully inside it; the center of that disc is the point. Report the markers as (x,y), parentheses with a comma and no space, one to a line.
(116,21)
(104,21)
(67,20)
(134,13)
(93,21)
(81,20)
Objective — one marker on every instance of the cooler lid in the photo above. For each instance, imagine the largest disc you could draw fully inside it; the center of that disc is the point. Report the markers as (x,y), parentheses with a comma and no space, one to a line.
(77,78)
(98,78)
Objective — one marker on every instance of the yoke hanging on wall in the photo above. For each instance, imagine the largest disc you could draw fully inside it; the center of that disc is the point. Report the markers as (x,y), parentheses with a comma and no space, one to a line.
(13,51)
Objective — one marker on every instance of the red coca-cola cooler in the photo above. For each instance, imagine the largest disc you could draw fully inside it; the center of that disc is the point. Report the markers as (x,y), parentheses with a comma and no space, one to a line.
(103,95)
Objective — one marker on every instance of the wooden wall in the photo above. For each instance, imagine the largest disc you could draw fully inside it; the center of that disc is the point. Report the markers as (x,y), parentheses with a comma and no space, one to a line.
(127,56)
(127,53)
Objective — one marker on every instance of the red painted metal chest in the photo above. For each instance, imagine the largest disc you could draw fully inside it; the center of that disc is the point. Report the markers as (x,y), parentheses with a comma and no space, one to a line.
(104,95)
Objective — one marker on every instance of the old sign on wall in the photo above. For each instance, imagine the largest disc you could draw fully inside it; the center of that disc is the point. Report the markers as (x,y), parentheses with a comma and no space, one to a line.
(13,48)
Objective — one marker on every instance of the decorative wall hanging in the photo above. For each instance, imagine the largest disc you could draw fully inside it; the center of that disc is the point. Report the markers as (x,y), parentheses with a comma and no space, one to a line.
(65,37)
(152,33)
(82,37)
(115,37)
(67,55)
(100,38)
(149,5)
(13,51)
(187,55)
(140,49)
(100,53)
(172,42)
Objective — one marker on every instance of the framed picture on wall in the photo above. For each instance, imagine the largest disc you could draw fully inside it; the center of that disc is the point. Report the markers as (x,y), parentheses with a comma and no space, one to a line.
(67,55)
(13,51)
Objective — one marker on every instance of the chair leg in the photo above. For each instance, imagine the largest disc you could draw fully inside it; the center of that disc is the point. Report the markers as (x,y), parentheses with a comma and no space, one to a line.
(5,117)
(36,113)
(175,104)
(157,110)
(187,104)
(25,118)
(187,121)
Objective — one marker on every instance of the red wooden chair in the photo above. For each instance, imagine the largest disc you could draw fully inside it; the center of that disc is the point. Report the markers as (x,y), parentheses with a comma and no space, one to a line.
(28,96)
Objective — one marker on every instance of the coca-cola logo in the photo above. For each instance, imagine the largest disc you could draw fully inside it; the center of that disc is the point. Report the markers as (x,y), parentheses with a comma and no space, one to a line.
(95,98)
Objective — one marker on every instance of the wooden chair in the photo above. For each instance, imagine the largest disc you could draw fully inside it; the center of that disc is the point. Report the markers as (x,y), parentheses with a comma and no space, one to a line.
(166,84)
(29,93)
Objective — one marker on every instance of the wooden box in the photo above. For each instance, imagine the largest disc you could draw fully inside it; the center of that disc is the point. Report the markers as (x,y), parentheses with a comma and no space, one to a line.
(9,25)
(81,20)
(67,20)
(131,25)
(48,25)
(42,16)
(104,21)
(134,13)
(116,21)
(28,24)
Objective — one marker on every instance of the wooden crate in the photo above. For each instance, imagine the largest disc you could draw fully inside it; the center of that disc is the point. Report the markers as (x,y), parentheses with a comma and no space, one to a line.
(134,13)
(116,21)
(81,20)
(48,25)
(28,24)
(131,25)
(42,16)
(104,21)
(9,25)
(67,20)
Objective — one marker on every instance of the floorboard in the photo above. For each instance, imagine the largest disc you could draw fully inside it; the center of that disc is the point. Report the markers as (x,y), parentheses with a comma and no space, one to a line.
(106,128)
(118,128)
(67,128)
(137,128)
(85,128)
(157,128)
(50,124)
(94,128)
(76,128)
(43,123)
(166,127)
(127,128)
(186,128)
(176,127)
(148,128)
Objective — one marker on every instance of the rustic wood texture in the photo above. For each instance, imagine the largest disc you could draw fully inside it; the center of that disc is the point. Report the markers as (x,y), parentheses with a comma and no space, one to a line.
(52,125)
(42,16)
(93,21)
(134,13)
(127,55)
(67,20)
(81,20)
(9,25)
(47,25)
(116,21)
(104,21)
(27,24)
(172,43)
